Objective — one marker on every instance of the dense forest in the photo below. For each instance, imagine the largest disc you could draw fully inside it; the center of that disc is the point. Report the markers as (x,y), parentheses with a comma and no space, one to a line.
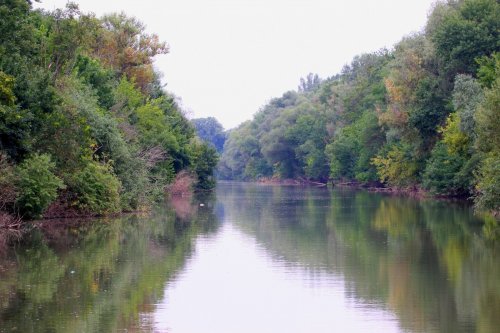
(85,124)
(424,115)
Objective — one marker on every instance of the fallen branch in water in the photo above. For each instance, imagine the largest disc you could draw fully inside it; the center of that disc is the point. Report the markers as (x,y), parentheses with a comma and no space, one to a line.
(10,222)
(11,229)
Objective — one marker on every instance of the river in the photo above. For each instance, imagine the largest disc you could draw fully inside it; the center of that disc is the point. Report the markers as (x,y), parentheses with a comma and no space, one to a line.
(260,258)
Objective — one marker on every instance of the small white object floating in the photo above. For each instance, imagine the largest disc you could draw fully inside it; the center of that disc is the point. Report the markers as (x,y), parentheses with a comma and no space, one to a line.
(201,205)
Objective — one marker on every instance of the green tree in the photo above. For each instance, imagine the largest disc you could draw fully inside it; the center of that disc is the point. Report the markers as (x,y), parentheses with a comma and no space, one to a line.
(429,110)
(37,185)
(204,161)
(398,167)
(487,120)
(343,153)
(211,131)
(95,188)
(466,32)
(443,174)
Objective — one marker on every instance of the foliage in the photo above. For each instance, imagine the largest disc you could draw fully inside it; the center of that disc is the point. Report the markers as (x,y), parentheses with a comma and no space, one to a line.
(37,185)
(342,153)
(467,95)
(489,68)
(7,96)
(124,46)
(95,188)
(465,33)
(488,143)
(488,187)
(101,79)
(442,174)
(423,114)
(211,131)
(83,91)
(310,83)
(456,141)
(397,167)
(8,180)
(488,120)
(429,110)
(204,161)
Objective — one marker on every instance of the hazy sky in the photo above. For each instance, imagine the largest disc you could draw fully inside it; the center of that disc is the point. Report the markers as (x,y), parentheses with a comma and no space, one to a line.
(229,57)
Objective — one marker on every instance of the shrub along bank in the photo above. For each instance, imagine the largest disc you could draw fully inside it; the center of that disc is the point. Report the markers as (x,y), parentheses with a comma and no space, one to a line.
(85,124)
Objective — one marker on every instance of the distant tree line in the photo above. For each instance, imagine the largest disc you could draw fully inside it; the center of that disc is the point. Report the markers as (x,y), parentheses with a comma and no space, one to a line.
(85,123)
(425,114)
(211,131)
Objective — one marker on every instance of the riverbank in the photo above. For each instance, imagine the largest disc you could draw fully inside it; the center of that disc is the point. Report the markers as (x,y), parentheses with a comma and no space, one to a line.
(87,136)
(375,187)
(297,182)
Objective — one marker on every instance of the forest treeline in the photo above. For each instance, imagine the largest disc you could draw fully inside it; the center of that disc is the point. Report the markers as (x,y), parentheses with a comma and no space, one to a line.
(85,124)
(423,115)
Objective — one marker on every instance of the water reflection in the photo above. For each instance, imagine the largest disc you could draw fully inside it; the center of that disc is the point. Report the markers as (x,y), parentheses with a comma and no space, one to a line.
(427,262)
(259,258)
(103,276)
(233,285)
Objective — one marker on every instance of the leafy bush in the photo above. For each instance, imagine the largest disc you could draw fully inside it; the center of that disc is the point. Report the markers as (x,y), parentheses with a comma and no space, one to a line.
(488,142)
(489,185)
(8,188)
(96,189)
(205,159)
(37,185)
(398,168)
(442,174)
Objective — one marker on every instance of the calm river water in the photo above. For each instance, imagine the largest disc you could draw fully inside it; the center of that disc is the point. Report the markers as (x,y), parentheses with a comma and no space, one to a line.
(256,258)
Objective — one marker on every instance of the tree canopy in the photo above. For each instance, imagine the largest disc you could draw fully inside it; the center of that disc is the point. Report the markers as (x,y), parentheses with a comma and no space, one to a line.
(85,124)
(421,115)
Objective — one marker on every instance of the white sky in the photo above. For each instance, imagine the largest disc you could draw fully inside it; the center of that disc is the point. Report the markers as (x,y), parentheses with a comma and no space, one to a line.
(229,57)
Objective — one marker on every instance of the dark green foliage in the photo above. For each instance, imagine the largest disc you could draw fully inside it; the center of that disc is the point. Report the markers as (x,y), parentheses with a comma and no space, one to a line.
(37,185)
(99,78)
(353,147)
(308,135)
(430,109)
(96,106)
(22,125)
(204,162)
(304,134)
(466,33)
(371,138)
(343,154)
(8,183)
(16,30)
(442,174)
(488,70)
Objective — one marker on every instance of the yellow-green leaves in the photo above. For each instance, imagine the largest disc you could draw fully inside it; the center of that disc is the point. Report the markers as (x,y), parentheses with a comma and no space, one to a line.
(7,96)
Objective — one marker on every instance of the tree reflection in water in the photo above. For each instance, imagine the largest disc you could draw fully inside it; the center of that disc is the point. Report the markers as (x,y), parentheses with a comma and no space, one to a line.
(98,276)
(432,263)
